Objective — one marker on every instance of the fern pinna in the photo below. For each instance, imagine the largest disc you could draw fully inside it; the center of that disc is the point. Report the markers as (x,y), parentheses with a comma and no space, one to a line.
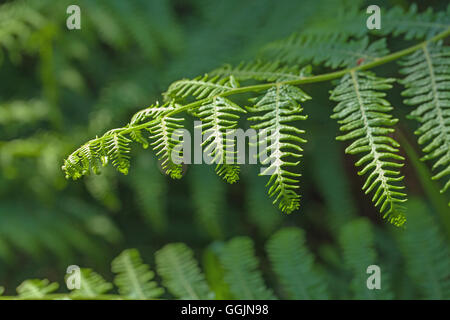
(363,112)
(280,105)
(427,83)
(272,80)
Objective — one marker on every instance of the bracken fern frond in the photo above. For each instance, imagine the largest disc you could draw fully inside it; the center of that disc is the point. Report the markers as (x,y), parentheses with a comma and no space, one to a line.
(427,85)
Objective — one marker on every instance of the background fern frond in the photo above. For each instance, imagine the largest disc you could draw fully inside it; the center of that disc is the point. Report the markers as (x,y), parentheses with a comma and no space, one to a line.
(241,271)
(336,22)
(356,239)
(300,49)
(262,71)
(426,252)
(18,23)
(363,112)
(275,135)
(91,284)
(261,213)
(151,190)
(181,275)
(209,200)
(200,87)
(36,288)
(427,83)
(133,277)
(19,112)
(294,265)
(413,24)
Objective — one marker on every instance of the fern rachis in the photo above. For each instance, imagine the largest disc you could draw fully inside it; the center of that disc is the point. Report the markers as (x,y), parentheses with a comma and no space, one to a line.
(427,85)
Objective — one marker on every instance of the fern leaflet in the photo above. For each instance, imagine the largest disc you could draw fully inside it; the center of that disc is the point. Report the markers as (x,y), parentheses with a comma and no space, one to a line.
(280,104)
(36,288)
(133,278)
(357,242)
(181,275)
(91,284)
(428,87)
(218,123)
(294,265)
(427,253)
(241,270)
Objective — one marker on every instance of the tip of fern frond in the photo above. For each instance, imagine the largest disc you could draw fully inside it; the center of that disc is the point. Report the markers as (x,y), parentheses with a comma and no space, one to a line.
(397,219)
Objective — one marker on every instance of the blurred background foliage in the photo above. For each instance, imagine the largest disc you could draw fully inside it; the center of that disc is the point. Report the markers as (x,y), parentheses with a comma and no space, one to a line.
(59,88)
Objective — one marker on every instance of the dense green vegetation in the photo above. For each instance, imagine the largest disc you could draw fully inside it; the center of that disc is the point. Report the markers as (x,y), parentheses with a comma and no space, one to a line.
(310,71)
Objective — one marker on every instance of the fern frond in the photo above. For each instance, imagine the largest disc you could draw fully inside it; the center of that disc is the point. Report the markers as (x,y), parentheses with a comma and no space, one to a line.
(262,71)
(280,106)
(151,191)
(427,85)
(23,112)
(200,87)
(91,284)
(209,199)
(260,212)
(181,275)
(18,22)
(219,120)
(144,25)
(36,288)
(133,277)
(241,270)
(294,265)
(336,22)
(426,252)
(356,240)
(363,112)
(412,24)
(337,53)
